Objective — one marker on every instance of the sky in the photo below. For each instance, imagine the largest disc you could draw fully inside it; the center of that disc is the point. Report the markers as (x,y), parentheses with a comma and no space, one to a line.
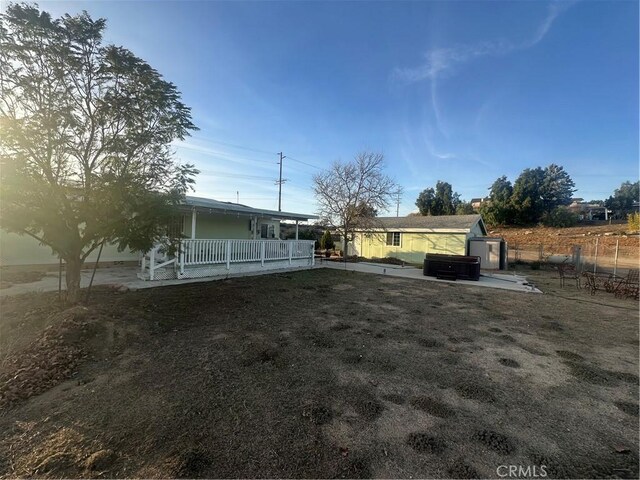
(463,92)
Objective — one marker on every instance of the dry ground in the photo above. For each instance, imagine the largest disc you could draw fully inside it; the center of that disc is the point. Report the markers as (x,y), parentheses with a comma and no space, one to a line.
(320,374)
(558,238)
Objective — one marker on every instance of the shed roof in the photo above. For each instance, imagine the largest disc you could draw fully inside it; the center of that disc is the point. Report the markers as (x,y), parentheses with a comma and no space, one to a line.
(441,222)
(202,203)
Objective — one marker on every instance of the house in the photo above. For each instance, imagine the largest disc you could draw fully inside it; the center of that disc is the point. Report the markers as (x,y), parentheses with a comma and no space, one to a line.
(218,238)
(410,238)
(476,203)
(588,211)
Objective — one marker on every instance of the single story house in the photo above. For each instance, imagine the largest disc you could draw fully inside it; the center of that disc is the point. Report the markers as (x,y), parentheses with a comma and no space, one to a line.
(410,238)
(218,238)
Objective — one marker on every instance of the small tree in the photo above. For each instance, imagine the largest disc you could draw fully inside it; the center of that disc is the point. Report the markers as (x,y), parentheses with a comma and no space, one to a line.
(557,188)
(464,208)
(349,194)
(326,241)
(527,197)
(85,147)
(498,209)
(624,199)
(559,217)
(439,201)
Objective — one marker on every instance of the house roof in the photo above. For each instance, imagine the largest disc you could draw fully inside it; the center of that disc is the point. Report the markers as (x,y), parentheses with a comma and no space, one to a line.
(211,205)
(443,223)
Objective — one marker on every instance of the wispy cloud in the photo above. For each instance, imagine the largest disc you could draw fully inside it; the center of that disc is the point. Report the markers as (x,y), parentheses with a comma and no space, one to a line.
(444,60)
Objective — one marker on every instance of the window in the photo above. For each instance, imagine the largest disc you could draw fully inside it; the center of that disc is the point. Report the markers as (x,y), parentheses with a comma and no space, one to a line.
(267,230)
(393,239)
(175,227)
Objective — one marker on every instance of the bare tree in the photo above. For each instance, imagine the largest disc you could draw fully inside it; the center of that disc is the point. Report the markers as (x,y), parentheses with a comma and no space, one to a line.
(350,194)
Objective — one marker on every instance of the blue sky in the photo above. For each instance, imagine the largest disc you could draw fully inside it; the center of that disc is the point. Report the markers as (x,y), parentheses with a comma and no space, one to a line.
(458,91)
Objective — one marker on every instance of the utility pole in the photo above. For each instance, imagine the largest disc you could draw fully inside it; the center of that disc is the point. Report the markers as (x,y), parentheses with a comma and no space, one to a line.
(280,182)
(237,196)
(398,193)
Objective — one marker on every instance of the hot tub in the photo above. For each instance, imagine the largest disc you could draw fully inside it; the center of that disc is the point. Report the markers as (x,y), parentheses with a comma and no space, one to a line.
(452,267)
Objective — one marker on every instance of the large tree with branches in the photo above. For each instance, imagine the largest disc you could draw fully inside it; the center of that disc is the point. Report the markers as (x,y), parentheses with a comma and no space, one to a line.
(85,139)
(350,194)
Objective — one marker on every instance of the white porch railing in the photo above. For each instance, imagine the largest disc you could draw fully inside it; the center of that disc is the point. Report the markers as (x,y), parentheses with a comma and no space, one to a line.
(202,252)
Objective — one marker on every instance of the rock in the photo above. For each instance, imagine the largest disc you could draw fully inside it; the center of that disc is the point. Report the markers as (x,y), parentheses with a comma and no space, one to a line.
(607,234)
(100,460)
(528,232)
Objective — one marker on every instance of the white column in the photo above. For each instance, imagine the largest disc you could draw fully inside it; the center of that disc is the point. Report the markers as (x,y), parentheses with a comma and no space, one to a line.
(193,223)
(296,229)
(152,263)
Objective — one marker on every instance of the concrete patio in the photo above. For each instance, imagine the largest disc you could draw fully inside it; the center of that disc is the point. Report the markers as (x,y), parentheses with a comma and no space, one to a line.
(125,278)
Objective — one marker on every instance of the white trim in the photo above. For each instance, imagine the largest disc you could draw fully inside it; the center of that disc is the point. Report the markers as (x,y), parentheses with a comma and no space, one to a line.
(415,230)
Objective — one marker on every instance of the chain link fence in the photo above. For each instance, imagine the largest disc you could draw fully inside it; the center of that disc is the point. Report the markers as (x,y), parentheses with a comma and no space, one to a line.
(602,254)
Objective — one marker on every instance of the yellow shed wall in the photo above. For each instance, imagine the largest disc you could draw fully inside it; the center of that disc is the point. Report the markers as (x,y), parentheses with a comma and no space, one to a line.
(413,246)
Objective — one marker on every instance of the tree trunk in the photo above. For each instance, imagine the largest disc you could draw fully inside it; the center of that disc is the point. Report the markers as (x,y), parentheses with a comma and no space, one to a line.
(72,277)
(345,246)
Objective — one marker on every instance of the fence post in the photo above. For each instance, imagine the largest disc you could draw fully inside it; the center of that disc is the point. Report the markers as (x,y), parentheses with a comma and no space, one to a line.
(595,257)
(576,257)
(615,259)
(262,245)
(181,258)
(228,254)
(290,251)
(312,248)
(152,262)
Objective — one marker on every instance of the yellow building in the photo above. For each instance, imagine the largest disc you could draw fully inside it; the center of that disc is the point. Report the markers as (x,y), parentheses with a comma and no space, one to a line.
(410,238)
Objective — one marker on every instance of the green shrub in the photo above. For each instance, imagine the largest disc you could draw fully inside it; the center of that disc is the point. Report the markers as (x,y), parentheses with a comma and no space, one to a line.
(326,241)
(633,221)
(559,217)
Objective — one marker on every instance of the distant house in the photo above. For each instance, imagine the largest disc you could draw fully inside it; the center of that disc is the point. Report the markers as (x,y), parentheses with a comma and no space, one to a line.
(410,238)
(477,202)
(218,238)
(588,211)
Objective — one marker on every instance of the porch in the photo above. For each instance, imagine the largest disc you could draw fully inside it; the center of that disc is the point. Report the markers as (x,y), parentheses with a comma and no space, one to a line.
(199,258)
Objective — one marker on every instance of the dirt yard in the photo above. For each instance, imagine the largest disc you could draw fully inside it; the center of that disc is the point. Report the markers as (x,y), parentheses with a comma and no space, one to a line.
(320,374)
(562,239)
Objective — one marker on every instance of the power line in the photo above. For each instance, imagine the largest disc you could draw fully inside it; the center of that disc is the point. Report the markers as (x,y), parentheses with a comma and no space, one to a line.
(233,145)
(235,175)
(304,163)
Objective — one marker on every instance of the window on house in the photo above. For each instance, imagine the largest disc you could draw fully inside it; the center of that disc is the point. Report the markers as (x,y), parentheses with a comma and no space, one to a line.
(267,230)
(393,239)
(175,228)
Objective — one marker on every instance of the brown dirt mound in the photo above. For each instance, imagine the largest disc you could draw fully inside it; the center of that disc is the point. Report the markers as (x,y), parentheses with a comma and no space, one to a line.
(50,359)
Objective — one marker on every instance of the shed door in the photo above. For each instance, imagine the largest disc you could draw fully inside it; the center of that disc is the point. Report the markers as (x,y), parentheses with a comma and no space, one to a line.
(493,255)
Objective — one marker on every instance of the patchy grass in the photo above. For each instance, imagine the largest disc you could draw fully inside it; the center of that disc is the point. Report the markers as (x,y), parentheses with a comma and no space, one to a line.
(268,377)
